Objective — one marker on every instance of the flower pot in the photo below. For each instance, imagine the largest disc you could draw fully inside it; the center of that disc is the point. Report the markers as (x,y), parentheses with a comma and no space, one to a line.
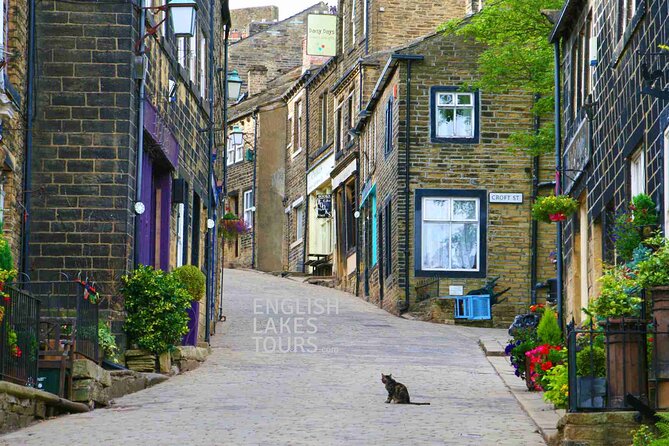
(660,296)
(528,376)
(591,392)
(626,370)
(557,217)
(193,323)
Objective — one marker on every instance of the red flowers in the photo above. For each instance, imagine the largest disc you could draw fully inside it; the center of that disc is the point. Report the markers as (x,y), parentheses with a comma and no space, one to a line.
(546,366)
(537,307)
(16,351)
(540,362)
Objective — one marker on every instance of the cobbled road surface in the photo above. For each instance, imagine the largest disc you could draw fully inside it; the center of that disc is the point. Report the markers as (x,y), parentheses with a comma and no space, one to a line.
(326,390)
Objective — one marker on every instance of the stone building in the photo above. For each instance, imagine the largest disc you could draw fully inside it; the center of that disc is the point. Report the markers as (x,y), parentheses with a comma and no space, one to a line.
(113,129)
(13,113)
(255,184)
(434,162)
(277,47)
(615,127)
(248,21)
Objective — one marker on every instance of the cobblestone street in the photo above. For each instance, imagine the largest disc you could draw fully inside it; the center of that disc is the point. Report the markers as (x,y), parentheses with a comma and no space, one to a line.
(247,394)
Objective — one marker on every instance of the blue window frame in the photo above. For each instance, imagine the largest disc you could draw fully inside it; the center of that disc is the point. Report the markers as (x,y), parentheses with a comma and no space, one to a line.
(454,115)
(450,228)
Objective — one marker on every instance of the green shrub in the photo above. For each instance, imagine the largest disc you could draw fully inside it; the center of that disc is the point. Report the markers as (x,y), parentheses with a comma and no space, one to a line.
(654,270)
(107,341)
(618,296)
(591,361)
(556,386)
(156,305)
(548,329)
(193,280)
(634,226)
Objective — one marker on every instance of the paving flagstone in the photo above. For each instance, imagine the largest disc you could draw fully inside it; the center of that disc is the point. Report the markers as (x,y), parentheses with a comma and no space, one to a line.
(325,391)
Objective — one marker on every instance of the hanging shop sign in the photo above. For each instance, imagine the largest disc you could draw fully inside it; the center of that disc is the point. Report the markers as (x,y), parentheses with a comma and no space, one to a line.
(322,35)
(324,206)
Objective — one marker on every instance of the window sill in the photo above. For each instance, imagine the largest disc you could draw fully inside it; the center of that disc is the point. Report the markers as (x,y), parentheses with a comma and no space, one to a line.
(628,33)
(449,274)
(440,140)
(296,243)
(293,155)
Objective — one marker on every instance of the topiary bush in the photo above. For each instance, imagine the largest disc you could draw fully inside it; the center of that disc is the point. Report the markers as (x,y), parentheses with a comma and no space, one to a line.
(156,304)
(591,361)
(548,329)
(193,280)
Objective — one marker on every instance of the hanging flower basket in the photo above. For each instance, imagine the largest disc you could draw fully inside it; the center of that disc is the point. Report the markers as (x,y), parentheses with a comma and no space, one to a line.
(232,227)
(554,208)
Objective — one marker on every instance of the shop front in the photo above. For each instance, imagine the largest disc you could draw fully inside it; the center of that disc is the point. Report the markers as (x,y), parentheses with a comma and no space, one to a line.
(321,236)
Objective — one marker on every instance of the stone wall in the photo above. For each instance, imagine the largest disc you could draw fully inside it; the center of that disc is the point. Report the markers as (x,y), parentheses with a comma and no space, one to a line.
(597,429)
(278,47)
(243,18)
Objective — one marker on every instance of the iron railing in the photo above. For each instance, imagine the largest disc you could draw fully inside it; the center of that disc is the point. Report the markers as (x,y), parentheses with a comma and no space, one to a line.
(427,288)
(67,304)
(608,365)
(19,341)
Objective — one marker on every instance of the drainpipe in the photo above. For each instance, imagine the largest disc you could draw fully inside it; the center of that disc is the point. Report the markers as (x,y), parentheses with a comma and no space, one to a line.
(210,172)
(255,200)
(140,141)
(534,235)
(558,178)
(407,192)
(27,168)
(305,237)
(225,153)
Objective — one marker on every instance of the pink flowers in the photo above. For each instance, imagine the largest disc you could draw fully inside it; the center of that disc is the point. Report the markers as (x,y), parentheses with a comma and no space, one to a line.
(541,360)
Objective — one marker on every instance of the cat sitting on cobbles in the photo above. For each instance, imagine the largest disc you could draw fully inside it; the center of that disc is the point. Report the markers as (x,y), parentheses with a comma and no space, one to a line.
(397,392)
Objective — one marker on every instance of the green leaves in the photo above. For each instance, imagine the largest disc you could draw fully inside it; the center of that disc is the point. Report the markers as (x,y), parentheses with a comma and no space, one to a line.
(156,303)
(516,56)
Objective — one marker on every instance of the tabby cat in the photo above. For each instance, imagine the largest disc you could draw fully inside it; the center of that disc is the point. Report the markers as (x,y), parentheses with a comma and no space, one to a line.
(397,392)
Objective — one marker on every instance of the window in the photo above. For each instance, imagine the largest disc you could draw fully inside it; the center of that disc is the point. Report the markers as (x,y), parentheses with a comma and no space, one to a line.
(239,153)
(474,6)
(348,120)
(230,152)
(666,182)
(291,131)
(454,116)
(637,173)
(365,12)
(299,222)
(192,56)
(387,240)
(181,51)
(388,145)
(353,21)
(203,66)
(339,141)
(581,70)
(351,221)
(249,208)
(450,232)
(297,147)
(627,9)
(343,33)
(324,119)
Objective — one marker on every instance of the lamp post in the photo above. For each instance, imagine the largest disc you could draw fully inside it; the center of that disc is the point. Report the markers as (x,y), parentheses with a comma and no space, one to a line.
(183,14)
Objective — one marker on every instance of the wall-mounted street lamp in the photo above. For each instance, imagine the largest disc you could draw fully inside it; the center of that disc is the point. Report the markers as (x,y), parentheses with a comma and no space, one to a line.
(182,15)
(237,136)
(234,85)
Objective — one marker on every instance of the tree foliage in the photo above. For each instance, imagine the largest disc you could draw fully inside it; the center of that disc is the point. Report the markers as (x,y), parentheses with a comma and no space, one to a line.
(516,56)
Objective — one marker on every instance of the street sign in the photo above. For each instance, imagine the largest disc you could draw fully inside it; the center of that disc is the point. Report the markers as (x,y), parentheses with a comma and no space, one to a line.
(497,197)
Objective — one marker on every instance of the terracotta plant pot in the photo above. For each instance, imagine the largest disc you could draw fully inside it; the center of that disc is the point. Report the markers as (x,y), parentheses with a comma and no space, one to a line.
(626,370)
(557,217)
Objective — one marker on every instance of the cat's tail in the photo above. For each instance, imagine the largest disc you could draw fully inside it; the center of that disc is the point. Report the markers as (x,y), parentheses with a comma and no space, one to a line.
(420,404)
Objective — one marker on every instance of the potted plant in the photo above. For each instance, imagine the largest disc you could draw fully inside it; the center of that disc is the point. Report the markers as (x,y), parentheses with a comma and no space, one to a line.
(232,226)
(618,310)
(653,275)
(591,377)
(634,226)
(553,208)
(194,281)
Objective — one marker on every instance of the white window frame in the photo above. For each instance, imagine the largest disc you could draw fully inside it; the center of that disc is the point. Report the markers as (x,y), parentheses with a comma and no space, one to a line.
(239,153)
(180,233)
(455,95)
(192,57)
(638,173)
(365,17)
(291,129)
(628,9)
(249,208)
(298,145)
(299,223)
(230,152)
(449,220)
(353,20)
(181,51)
(203,66)
(324,119)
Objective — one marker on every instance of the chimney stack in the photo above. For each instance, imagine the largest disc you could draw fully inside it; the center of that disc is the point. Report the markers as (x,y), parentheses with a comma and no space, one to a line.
(257,79)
